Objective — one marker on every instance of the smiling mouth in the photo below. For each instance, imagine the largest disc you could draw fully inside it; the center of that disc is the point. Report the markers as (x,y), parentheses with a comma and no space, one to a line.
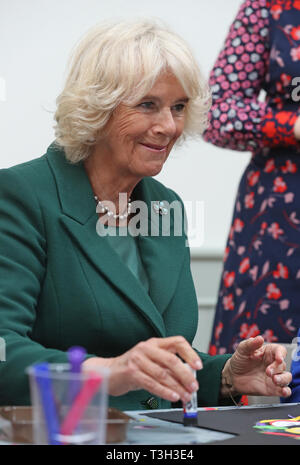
(155,148)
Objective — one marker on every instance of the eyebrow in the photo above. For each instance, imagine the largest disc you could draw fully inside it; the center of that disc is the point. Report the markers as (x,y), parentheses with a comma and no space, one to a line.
(152,97)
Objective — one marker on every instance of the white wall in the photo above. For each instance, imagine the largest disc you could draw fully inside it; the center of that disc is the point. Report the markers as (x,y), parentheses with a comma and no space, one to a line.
(36,37)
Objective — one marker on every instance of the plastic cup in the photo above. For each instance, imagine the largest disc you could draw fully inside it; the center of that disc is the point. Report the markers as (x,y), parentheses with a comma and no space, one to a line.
(68,408)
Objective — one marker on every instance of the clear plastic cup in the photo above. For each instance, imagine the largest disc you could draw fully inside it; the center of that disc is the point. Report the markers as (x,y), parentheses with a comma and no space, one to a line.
(68,408)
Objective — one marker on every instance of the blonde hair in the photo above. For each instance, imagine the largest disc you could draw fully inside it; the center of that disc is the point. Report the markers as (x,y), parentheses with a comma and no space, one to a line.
(119,62)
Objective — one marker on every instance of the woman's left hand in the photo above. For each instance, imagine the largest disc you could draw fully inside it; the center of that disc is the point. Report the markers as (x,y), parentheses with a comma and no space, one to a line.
(259,369)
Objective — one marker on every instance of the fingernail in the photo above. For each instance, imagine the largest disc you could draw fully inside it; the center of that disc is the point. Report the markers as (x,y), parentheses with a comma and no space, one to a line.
(194,386)
(175,396)
(286,392)
(198,365)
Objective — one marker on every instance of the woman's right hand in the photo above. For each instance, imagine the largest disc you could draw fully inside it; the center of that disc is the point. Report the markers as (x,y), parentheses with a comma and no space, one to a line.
(153,365)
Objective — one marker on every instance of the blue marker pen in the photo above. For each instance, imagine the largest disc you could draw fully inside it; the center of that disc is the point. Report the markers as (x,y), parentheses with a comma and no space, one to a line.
(47,400)
(190,409)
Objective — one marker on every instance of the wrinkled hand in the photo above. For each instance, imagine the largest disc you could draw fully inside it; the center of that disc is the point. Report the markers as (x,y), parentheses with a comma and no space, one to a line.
(154,365)
(258,369)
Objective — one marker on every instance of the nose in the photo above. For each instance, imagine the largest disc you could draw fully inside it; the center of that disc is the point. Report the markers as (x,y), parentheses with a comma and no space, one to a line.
(165,124)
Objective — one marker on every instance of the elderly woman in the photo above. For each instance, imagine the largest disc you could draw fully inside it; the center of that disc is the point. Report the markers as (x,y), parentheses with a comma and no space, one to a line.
(73,272)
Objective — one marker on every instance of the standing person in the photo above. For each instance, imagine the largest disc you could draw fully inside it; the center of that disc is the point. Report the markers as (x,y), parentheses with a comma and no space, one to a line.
(260,284)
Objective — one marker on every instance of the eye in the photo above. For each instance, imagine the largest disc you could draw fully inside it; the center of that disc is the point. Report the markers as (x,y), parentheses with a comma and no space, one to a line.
(179,108)
(147,105)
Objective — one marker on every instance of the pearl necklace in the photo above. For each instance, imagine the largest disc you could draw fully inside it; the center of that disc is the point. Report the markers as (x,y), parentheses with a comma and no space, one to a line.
(101,208)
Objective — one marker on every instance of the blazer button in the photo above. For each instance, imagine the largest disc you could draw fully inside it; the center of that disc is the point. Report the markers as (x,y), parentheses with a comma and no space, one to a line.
(152,403)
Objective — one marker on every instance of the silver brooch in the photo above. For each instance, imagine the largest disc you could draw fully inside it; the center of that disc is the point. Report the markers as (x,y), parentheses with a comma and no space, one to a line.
(160,208)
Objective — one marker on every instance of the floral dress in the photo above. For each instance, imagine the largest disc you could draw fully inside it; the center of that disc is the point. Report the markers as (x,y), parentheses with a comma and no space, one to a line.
(260,284)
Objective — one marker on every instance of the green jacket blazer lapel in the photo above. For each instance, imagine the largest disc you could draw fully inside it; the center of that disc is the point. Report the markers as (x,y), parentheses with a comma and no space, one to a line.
(79,219)
(163,256)
(108,263)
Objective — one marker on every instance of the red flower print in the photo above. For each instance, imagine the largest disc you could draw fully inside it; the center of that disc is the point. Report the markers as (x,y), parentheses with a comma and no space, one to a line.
(289,140)
(275,230)
(283,117)
(264,225)
(226,254)
(279,185)
(273,292)
(228,302)
(285,79)
(229,278)
(295,32)
(269,115)
(270,166)
(269,336)
(244,265)
(281,271)
(212,350)
(289,167)
(247,331)
(218,330)
(297,4)
(253,177)
(249,200)
(295,53)
(269,129)
(238,225)
(276,11)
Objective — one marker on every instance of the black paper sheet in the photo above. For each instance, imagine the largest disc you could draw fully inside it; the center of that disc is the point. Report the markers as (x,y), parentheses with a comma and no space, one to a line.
(256,439)
(241,421)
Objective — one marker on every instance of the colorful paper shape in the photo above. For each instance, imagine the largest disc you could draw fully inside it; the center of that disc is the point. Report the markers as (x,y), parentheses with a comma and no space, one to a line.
(280,427)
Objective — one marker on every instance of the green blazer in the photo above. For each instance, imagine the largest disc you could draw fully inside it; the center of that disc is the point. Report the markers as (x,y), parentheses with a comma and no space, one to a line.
(61,284)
